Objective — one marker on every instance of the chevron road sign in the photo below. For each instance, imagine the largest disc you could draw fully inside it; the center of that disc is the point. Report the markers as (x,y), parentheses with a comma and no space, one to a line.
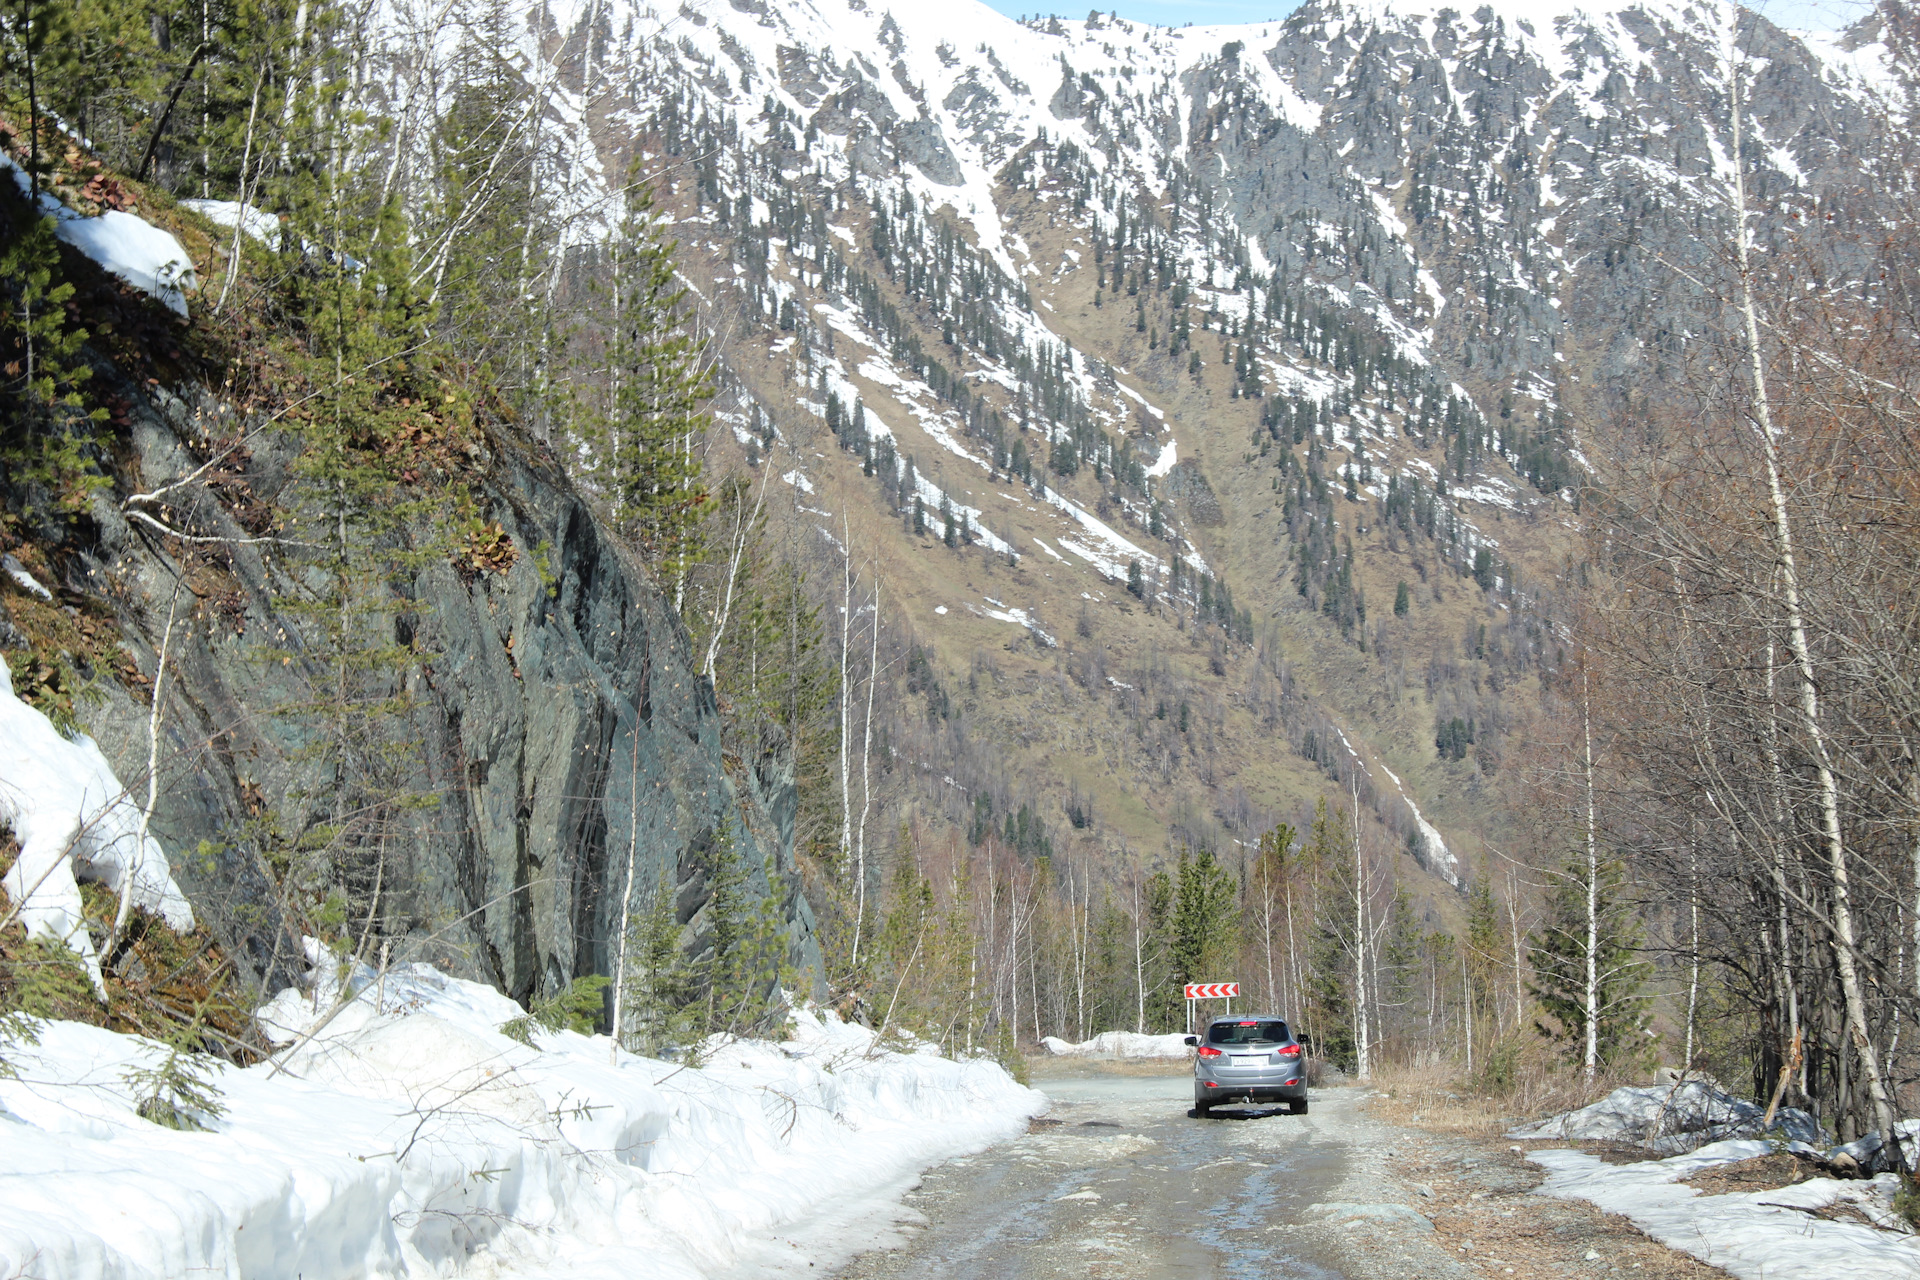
(1212,990)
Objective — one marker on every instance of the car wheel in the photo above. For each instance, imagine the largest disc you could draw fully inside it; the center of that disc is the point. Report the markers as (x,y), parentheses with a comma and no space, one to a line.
(1202,1110)
(1298,1106)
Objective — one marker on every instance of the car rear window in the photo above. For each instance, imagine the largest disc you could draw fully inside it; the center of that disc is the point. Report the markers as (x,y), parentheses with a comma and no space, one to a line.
(1252,1031)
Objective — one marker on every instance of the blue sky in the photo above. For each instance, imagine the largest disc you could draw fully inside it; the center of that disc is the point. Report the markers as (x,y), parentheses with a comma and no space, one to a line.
(1819,15)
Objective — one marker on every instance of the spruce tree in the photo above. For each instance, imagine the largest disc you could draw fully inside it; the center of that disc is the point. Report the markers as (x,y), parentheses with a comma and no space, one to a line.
(648,453)
(45,429)
(1204,919)
(1559,959)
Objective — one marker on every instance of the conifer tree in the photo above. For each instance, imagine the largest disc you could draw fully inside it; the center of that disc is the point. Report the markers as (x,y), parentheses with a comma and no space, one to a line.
(648,452)
(1204,918)
(1559,959)
(45,428)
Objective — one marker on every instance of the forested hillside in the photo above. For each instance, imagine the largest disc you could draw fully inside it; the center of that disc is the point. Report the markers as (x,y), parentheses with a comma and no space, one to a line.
(1401,507)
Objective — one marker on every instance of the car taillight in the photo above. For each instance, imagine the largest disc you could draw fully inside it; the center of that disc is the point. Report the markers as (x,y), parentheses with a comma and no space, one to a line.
(1289,1051)
(1208,1051)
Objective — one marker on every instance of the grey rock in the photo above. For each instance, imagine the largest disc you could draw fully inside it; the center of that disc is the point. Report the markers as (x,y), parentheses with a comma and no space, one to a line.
(554,727)
(922,145)
(10,635)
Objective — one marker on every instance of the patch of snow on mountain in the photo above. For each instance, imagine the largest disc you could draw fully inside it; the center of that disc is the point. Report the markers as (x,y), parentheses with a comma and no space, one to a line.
(1439,857)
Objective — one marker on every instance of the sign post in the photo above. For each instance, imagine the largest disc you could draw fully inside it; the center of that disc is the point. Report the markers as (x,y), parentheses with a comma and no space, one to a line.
(1198,991)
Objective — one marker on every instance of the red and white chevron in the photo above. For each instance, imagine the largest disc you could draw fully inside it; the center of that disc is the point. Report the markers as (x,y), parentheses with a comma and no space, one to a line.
(1212,990)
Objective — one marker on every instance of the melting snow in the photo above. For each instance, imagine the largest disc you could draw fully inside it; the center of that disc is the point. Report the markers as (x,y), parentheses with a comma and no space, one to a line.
(1119,1044)
(1758,1235)
(257,223)
(72,818)
(411,1137)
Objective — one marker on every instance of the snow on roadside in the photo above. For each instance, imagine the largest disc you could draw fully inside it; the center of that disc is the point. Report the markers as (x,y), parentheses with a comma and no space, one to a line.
(411,1137)
(1120,1044)
(1670,1118)
(71,814)
(1759,1235)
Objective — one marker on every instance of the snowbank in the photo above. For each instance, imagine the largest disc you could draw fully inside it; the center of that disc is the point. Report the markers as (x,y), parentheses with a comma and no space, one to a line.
(1759,1235)
(143,255)
(1119,1044)
(130,247)
(61,798)
(1868,1152)
(1670,1118)
(410,1137)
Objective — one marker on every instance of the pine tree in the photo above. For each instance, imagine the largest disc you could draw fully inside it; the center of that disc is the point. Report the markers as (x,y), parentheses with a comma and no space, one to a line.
(1559,956)
(478,253)
(1204,918)
(45,429)
(648,452)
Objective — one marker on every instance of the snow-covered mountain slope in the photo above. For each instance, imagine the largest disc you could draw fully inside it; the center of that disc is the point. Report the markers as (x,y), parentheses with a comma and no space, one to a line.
(1219,333)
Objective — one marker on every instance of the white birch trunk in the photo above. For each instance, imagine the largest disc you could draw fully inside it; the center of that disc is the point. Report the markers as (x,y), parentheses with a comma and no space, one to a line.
(626,896)
(155,711)
(846,730)
(1519,977)
(1693,951)
(1590,1053)
(1362,1042)
(1797,645)
(1139,967)
(866,748)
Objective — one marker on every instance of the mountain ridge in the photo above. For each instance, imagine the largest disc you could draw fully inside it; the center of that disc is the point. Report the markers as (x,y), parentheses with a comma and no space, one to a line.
(1426,238)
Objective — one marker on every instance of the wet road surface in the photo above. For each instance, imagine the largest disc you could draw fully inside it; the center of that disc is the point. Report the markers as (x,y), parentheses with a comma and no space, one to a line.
(1118,1181)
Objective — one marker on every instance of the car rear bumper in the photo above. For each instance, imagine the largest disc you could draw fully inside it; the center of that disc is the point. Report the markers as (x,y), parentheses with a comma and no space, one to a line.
(1281,1089)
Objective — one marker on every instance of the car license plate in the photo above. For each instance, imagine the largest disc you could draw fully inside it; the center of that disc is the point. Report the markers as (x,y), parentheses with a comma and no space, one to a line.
(1249,1062)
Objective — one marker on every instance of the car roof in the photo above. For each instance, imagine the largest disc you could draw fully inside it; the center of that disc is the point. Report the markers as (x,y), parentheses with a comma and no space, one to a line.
(1246,1017)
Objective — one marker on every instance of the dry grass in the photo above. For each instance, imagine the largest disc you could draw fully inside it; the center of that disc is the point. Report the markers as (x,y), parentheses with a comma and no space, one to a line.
(1484,1213)
(1762,1173)
(1477,1186)
(1438,1098)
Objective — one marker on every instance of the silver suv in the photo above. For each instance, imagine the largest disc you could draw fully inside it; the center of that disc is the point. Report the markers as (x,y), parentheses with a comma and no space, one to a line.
(1248,1060)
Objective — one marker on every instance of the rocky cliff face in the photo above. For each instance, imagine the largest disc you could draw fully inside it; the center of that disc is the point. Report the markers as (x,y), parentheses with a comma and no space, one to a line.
(547,739)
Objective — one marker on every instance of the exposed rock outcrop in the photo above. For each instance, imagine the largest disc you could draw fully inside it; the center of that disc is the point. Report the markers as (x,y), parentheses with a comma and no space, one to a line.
(549,720)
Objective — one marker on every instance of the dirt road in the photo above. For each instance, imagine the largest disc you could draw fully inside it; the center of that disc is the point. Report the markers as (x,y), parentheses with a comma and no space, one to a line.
(1118,1182)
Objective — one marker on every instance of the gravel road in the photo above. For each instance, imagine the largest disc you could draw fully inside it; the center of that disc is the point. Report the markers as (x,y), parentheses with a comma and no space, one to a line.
(1118,1181)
